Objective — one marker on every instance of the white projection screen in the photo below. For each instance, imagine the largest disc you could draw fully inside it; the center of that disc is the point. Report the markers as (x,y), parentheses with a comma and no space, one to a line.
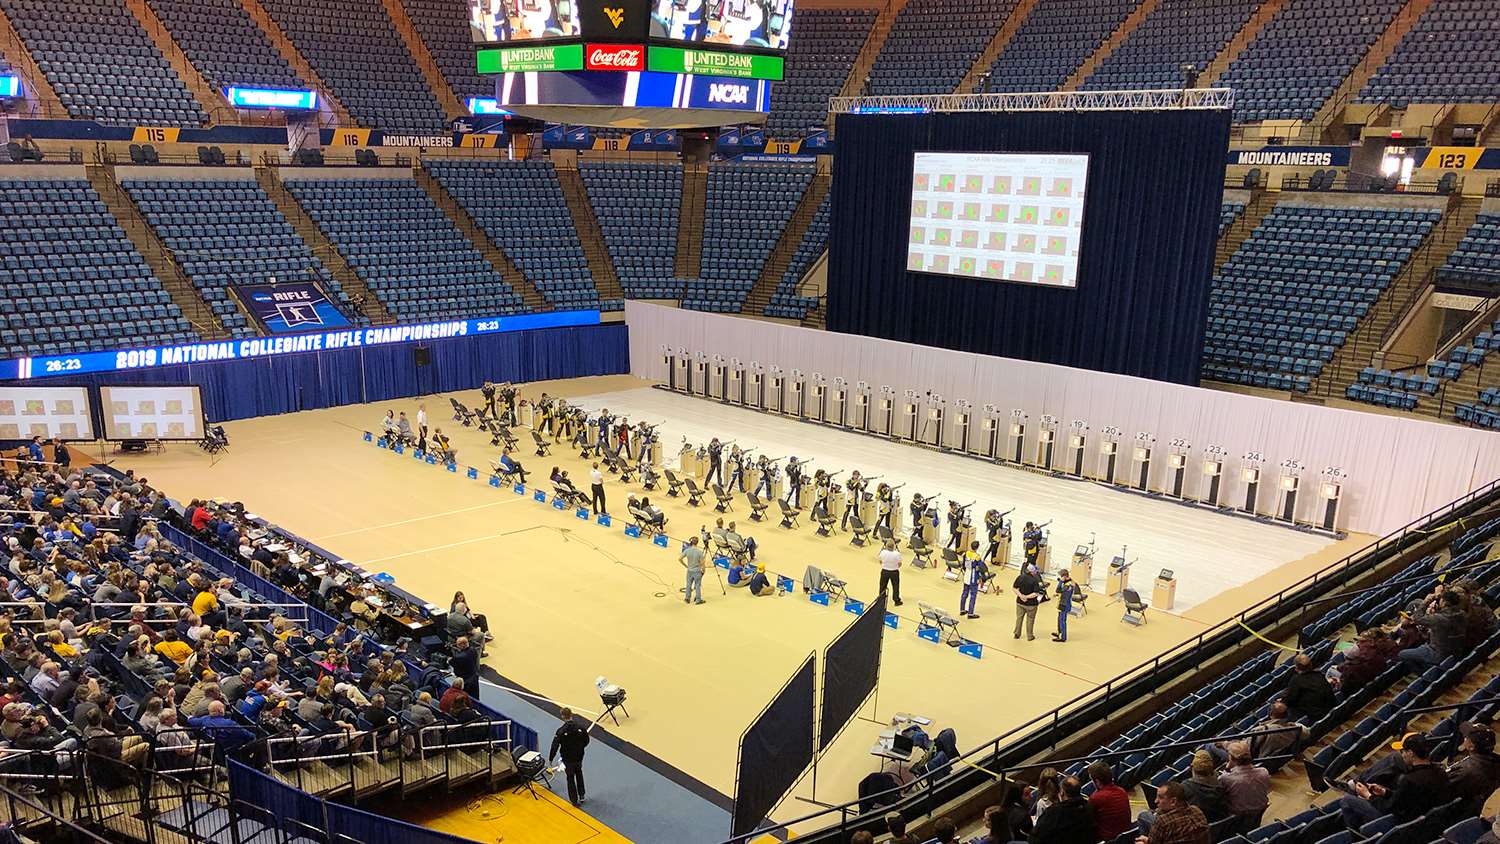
(152,413)
(46,412)
(998,216)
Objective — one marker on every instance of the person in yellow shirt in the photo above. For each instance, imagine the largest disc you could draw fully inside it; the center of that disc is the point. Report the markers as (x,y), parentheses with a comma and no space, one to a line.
(173,648)
(59,645)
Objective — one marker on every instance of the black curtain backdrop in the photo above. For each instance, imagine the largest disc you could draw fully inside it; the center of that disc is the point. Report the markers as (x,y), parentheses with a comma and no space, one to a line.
(1155,186)
(774,751)
(851,668)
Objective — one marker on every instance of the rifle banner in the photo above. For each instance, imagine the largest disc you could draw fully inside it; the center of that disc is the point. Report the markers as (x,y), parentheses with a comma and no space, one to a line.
(290,307)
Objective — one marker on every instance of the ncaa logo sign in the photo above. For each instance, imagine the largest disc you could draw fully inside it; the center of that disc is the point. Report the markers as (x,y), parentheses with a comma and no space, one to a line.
(729,93)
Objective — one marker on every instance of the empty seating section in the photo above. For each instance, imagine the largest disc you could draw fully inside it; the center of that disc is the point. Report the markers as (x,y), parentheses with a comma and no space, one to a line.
(1302,55)
(1290,295)
(1177,32)
(356,50)
(746,209)
(1231,212)
(1391,389)
(785,302)
(1055,39)
(443,25)
(1476,259)
(224,233)
(637,206)
(225,45)
(1485,413)
(908,62)
(70,280)
(1423,68)
(408,253)
(823,46)
(521,208)
(107,70)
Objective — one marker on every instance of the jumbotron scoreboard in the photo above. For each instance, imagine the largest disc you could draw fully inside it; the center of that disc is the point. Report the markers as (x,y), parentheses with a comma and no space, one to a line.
(673,63)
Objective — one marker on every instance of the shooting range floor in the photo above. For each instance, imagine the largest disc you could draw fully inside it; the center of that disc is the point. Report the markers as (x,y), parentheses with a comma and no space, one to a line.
(569,600)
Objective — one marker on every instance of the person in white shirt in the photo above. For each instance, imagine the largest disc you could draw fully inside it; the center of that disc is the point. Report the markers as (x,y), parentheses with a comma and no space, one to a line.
(422,420)
(596,486)
(890,570)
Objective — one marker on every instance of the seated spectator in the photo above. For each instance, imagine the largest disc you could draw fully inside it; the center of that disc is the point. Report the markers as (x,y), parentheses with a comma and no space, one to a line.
(1109,802)
(226,733)
(1202,788)
(1372,653)
(455,691)
(895,824)
(1420,787)
(1477,775)
(944,831)
(996,827)
(1446,628)
(1247,786)
(1176,820)
(174,648)
(1308,695)
(1068,821)
(175,749)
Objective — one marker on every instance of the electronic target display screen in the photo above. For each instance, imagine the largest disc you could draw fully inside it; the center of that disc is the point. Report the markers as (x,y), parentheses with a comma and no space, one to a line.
(998,216)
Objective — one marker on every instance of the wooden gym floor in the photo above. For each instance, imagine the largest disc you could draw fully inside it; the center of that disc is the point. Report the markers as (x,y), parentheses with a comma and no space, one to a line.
(569,600)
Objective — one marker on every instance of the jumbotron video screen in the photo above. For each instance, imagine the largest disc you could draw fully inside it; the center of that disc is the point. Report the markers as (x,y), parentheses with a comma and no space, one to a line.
(752,25)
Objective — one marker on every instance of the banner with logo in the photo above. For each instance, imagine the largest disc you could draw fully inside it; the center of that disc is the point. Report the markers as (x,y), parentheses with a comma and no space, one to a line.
(290,307)
(616,57)
(1283,156)
(567,137)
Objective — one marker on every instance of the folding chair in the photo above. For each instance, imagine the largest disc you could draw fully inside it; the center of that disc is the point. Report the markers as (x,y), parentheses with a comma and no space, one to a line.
(726,499)
(757,508)
(542,446)
(695,495)
(922,552)
(860,530)
(674,483)
(789,514)
(945,622)
(834,587)
(825,520)
(953,564)
(649,478)
(1135,608)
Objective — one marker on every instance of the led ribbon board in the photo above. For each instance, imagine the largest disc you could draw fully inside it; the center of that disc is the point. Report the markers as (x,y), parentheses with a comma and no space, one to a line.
(272,98)
(263,347)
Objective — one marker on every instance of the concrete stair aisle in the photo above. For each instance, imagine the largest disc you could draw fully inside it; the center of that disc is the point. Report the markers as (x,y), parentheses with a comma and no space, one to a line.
(854,83)
(791,237)
(209,98)
(147,242)
(1390,307)
(329,107)
(601,265)
(1261,203)
(498,261)
(1330,112)
(981,67)
(431,74)
(1111,44)
(689,259)
(322,249)
(41,99)
(815,283)
(1248,33)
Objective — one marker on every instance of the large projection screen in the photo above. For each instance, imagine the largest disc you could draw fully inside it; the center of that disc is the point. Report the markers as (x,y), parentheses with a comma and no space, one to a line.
(152,413)
(47,412)
(998,216)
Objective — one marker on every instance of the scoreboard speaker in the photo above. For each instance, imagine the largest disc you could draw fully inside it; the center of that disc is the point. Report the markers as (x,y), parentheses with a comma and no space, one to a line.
(422,356)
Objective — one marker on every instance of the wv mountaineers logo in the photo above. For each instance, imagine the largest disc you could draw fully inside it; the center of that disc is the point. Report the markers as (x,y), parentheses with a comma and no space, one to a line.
(616,16)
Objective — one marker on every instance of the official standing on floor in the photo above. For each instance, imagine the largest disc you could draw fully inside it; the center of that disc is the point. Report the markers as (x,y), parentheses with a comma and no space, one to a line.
(890,570)
(1028,594)
(596,486)
(692,560)
(570,740)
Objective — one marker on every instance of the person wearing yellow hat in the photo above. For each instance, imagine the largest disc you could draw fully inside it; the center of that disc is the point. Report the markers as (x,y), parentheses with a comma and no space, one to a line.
(760,584)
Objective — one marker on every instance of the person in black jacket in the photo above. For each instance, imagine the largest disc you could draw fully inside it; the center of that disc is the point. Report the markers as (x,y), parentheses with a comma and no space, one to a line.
(1307,694)
(465,663)
(1068,821)
(1422,787)
(570,739)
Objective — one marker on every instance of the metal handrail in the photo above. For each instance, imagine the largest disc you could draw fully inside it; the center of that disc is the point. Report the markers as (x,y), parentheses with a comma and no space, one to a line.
(1338,571)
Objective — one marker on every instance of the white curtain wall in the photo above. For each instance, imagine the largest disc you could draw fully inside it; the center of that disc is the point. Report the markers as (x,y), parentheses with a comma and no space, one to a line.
(1398,468)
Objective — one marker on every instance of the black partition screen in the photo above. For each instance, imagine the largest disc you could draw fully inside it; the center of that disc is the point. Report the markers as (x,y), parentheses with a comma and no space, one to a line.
(1150,218)
(851,668)
(774,751)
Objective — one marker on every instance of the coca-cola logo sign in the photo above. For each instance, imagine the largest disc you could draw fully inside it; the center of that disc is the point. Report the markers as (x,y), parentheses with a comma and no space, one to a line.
(615,57)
